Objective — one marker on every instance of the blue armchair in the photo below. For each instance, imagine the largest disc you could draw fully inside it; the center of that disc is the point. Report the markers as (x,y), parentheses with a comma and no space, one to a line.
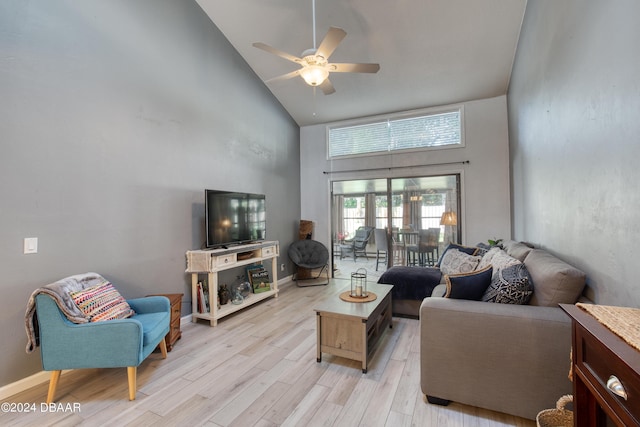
(106,344)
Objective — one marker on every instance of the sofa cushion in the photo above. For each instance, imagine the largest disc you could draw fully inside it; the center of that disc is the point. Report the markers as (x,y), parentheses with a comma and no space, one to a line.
(153,326)
(456,262)
(512,285)
(554,281)
(501,260)
(487,257)
(518,250)
(466,249)
(483,248)
(102,302)
(469,286)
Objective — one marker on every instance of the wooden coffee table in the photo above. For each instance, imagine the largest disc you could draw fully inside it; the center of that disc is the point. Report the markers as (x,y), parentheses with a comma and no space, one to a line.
(351,329)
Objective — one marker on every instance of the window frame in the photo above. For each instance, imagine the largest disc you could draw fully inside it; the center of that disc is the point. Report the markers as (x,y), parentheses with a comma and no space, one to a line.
(459,108)
(355,219)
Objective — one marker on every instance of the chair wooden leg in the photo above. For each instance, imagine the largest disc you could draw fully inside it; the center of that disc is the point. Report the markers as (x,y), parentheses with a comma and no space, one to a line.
(131,374)
(53,383)
(163,348)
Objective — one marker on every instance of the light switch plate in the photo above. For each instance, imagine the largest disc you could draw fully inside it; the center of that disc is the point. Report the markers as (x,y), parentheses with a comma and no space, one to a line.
(31,245)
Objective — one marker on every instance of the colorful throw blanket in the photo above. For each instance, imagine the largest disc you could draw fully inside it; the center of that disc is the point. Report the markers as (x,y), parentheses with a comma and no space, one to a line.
(412,283)
(59,291)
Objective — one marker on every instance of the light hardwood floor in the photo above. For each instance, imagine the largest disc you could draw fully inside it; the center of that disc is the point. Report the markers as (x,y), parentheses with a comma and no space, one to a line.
(258,368)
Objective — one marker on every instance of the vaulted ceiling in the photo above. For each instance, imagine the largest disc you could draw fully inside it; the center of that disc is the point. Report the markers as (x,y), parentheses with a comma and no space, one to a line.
(431,52)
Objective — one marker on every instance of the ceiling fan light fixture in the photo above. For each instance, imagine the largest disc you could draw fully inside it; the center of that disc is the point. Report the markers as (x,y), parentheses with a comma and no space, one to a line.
(314,75)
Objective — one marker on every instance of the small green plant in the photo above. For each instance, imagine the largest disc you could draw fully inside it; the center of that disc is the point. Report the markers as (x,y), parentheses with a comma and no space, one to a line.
(495,242)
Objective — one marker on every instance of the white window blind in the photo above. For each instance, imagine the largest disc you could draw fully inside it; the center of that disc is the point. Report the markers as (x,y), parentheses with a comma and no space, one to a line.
(392,134)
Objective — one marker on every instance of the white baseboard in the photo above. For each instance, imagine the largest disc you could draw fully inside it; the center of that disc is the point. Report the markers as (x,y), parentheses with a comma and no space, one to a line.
(24,384)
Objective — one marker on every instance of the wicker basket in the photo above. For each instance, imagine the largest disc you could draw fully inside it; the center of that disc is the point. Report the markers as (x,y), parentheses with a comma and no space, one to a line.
(559,417)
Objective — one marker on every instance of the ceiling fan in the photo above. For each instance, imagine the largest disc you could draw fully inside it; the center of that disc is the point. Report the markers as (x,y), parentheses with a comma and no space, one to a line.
(314,62)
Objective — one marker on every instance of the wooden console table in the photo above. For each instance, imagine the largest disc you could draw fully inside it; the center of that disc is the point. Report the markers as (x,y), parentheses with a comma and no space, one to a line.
(210,262)
(606,374)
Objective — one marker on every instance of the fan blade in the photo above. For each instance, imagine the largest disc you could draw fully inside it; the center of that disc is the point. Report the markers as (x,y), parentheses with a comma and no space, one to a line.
(275,51)
(284,76)
(326,87)
(331,40)
(354,68)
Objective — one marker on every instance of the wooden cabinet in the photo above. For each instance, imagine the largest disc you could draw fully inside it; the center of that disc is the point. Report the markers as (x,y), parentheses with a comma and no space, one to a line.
(606,374)
(352,329)
(210,262)
(175,300)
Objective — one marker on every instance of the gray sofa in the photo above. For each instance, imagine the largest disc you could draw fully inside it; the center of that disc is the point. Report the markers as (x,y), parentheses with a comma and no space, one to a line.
(508,358)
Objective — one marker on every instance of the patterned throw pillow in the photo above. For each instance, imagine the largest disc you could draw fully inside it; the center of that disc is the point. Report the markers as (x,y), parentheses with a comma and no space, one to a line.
(487,257)
(102,302)
(501,260)
(456,262)
(512,285)
(466,249)
(469,286)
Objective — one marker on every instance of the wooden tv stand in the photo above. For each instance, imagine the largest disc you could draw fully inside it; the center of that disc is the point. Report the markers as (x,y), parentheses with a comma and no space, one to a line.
(210,262)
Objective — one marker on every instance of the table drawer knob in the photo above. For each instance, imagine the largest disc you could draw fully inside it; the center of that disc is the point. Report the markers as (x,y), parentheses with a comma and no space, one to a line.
(616,387)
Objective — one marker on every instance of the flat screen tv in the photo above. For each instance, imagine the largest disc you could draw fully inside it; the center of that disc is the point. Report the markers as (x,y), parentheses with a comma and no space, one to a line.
(234,218)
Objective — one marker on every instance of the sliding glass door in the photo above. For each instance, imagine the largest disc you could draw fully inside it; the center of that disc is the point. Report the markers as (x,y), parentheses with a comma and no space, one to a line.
(412,210)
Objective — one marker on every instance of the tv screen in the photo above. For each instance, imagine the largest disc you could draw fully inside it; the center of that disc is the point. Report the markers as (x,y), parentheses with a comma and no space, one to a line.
(234,218)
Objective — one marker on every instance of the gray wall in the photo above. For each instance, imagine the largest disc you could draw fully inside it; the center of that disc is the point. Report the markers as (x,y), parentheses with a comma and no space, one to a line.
(485,180)
(114,117)
(574,120)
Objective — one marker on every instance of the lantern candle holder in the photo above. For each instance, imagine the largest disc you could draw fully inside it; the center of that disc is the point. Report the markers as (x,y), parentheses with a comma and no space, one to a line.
(359,284)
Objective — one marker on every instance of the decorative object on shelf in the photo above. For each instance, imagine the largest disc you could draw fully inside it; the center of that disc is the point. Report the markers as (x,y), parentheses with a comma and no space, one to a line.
(223,295)
(359,283)
(237,298)
(346,296)
(260,281)
(259,278)
(253,268)
(245,288)
(245,255)
(241,286)
(203,297)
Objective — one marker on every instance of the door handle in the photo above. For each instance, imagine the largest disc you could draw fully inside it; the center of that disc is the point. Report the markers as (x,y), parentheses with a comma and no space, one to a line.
(616,387)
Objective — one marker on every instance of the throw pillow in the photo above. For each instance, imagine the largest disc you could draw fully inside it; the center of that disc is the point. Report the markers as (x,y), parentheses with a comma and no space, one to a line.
(518,250)
(466,249)
(456,262)
(469,286)
(512,285)
(483,248)
(556,281)
(102,302)
(486,258)
(501,260)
